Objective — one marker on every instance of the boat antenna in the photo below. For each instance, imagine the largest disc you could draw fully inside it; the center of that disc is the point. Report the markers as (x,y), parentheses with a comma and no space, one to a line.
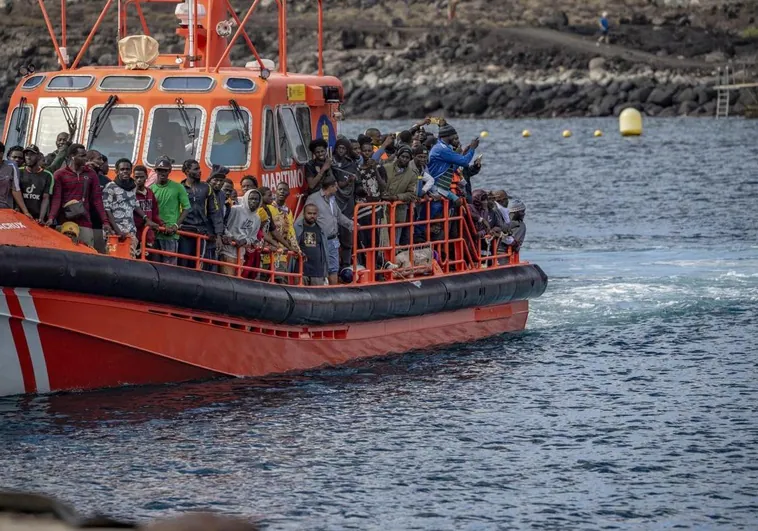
(191,128)
(102,118)
(240,119)
(68,115)
(23,116)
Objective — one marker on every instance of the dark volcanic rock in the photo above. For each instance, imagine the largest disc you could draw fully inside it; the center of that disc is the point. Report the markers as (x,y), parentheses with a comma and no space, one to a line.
(662,96)
(474,104)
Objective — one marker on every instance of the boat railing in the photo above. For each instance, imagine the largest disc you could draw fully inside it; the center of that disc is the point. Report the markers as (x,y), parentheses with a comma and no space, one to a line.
(435,237)
(281,266)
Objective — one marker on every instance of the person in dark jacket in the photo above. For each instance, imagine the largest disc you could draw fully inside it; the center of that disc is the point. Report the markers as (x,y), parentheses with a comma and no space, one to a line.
(56,159)
(205,217)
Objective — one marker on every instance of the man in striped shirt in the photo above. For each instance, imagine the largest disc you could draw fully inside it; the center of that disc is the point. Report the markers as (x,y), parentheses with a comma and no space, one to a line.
(77,182)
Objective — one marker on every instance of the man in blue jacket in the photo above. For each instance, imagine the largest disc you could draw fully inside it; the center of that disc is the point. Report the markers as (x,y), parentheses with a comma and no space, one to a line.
(444,160)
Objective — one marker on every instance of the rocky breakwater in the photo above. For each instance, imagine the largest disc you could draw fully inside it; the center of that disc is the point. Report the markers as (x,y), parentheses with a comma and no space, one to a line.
(458,77)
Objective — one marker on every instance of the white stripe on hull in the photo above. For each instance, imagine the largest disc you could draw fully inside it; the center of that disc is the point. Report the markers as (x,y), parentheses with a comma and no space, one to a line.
(31,330)
(11,378)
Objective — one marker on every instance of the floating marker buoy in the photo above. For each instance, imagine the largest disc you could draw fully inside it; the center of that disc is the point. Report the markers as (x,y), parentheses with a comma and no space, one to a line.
(484,134)
(525,133)
(566,133)
(598,132)
(630,122)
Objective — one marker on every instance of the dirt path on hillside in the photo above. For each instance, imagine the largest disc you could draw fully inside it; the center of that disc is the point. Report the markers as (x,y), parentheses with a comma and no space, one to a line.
(538,37)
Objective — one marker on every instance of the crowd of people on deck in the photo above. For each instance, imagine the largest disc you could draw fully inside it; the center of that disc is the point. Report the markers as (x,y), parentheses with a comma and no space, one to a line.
(426,179)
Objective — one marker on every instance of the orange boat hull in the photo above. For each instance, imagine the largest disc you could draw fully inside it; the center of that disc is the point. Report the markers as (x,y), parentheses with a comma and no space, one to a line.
(55,341)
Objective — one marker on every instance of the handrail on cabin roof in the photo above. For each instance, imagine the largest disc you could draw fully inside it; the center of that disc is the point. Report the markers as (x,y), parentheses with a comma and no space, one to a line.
(62,52)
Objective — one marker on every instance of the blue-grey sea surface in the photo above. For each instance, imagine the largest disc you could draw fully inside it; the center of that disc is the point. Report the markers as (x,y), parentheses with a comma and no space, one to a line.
(630,402)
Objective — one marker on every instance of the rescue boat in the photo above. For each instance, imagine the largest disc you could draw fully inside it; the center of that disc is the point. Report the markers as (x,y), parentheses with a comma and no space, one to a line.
(72,319)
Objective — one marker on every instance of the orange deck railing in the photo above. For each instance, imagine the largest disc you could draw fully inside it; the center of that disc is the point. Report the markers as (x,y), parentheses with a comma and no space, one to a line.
(443,244)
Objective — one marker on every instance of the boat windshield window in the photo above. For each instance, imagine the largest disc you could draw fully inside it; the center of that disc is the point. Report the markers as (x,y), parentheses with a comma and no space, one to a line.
(287,117)
(33,82)
(130,83)
(230,144)
(118,133)
(69,83)
(187,84)
(18,130)
(269,139)
(303,115)
(285,150)
(171,136)
(52,121)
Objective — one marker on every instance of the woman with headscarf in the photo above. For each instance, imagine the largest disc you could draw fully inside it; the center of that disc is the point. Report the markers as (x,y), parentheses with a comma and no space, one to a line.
(241,230)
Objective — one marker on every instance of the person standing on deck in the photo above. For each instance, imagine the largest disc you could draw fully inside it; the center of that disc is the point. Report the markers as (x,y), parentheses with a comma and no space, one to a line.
(204,218)
(329,219)
(148,204)
(401,186)
(605,28)
(120,201)
(173,207)
(444,161)
(314,247)
(99,164)
(76,183)
(319,167)
(36,184)
(53,161)
(10,186)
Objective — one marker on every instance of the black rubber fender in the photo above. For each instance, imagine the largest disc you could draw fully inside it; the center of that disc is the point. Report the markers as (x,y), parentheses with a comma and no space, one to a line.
(207,292)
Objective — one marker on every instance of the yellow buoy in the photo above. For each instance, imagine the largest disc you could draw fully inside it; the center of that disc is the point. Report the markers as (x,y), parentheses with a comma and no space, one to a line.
(598,132)
(525,133)
(484,134)
(630,122)
(566,133)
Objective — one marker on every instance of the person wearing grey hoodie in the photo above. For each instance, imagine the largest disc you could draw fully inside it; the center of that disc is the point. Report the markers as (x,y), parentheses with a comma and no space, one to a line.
(241,230)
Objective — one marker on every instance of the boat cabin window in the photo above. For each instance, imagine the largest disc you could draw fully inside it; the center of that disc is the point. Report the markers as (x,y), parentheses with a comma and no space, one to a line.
(285,150)
(33,82)
(126,83)
(295,139)
(52,120)
(117,134)
(269,140)
(174,132)
(303,115)
(230,144)
(239,84)
(70,83)
(18,129)
(187,84)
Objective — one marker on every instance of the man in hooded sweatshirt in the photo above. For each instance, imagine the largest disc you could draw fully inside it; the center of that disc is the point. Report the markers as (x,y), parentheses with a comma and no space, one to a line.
(241,232)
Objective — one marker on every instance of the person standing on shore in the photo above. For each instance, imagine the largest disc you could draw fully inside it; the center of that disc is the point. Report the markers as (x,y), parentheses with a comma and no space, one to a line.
(604,29)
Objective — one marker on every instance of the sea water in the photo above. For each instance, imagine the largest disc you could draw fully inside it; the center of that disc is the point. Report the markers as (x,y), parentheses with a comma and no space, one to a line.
(630,402)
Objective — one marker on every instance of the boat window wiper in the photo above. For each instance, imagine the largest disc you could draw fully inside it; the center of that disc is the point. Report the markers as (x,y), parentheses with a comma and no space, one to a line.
(21,125)
(191,128)
(68,115)
(102,118)
(240,119)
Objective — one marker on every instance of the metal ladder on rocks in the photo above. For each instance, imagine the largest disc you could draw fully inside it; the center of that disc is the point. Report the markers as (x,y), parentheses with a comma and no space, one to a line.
(722,93)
